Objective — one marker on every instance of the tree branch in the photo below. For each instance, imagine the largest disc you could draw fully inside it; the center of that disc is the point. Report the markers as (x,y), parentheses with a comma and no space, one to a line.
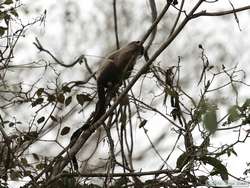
(42,49)
(220,13)
(115,25)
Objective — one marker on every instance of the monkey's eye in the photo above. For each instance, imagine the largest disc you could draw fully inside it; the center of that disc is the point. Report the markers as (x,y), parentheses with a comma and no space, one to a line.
(138,42)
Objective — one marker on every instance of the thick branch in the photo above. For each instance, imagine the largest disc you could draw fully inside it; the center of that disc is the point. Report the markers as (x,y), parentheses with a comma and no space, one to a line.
(128,174)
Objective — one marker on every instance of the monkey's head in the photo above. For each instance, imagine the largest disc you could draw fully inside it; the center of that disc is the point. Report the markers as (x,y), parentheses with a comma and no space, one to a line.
(137,46)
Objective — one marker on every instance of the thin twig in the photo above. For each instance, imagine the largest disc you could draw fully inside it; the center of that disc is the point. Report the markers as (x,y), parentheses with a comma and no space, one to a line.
(115,25)
(220,13)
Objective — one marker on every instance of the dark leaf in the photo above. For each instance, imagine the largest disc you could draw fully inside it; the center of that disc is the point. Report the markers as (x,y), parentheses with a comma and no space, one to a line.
(175,113)
(35,156)
(182,160)
(81,98)
(30,136)
(41,119)
(60,98)
(53,118)
(27,173)
(66,89)
(51,98)
(175,2)
(233,151)
(68,100)
(219,167)
(36,102)
(2,30)
(143,123)
(172,100)
(11,124)
(65,131)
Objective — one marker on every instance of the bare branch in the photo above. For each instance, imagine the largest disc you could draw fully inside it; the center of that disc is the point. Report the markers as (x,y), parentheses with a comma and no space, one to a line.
(42,49)
(220,13)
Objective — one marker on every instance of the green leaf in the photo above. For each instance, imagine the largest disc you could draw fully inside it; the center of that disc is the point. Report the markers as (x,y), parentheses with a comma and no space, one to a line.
(24,162)
(182,160)
(39,92)
(210,121)
(40,166)
(41,119)
(246,104)
(219,167)
(65,131)
(15,175)
(8,2)
(2,14)
(234,114)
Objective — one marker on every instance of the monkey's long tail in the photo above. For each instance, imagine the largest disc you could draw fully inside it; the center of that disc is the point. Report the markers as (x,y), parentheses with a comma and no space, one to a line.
(101,104)
(100,109)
